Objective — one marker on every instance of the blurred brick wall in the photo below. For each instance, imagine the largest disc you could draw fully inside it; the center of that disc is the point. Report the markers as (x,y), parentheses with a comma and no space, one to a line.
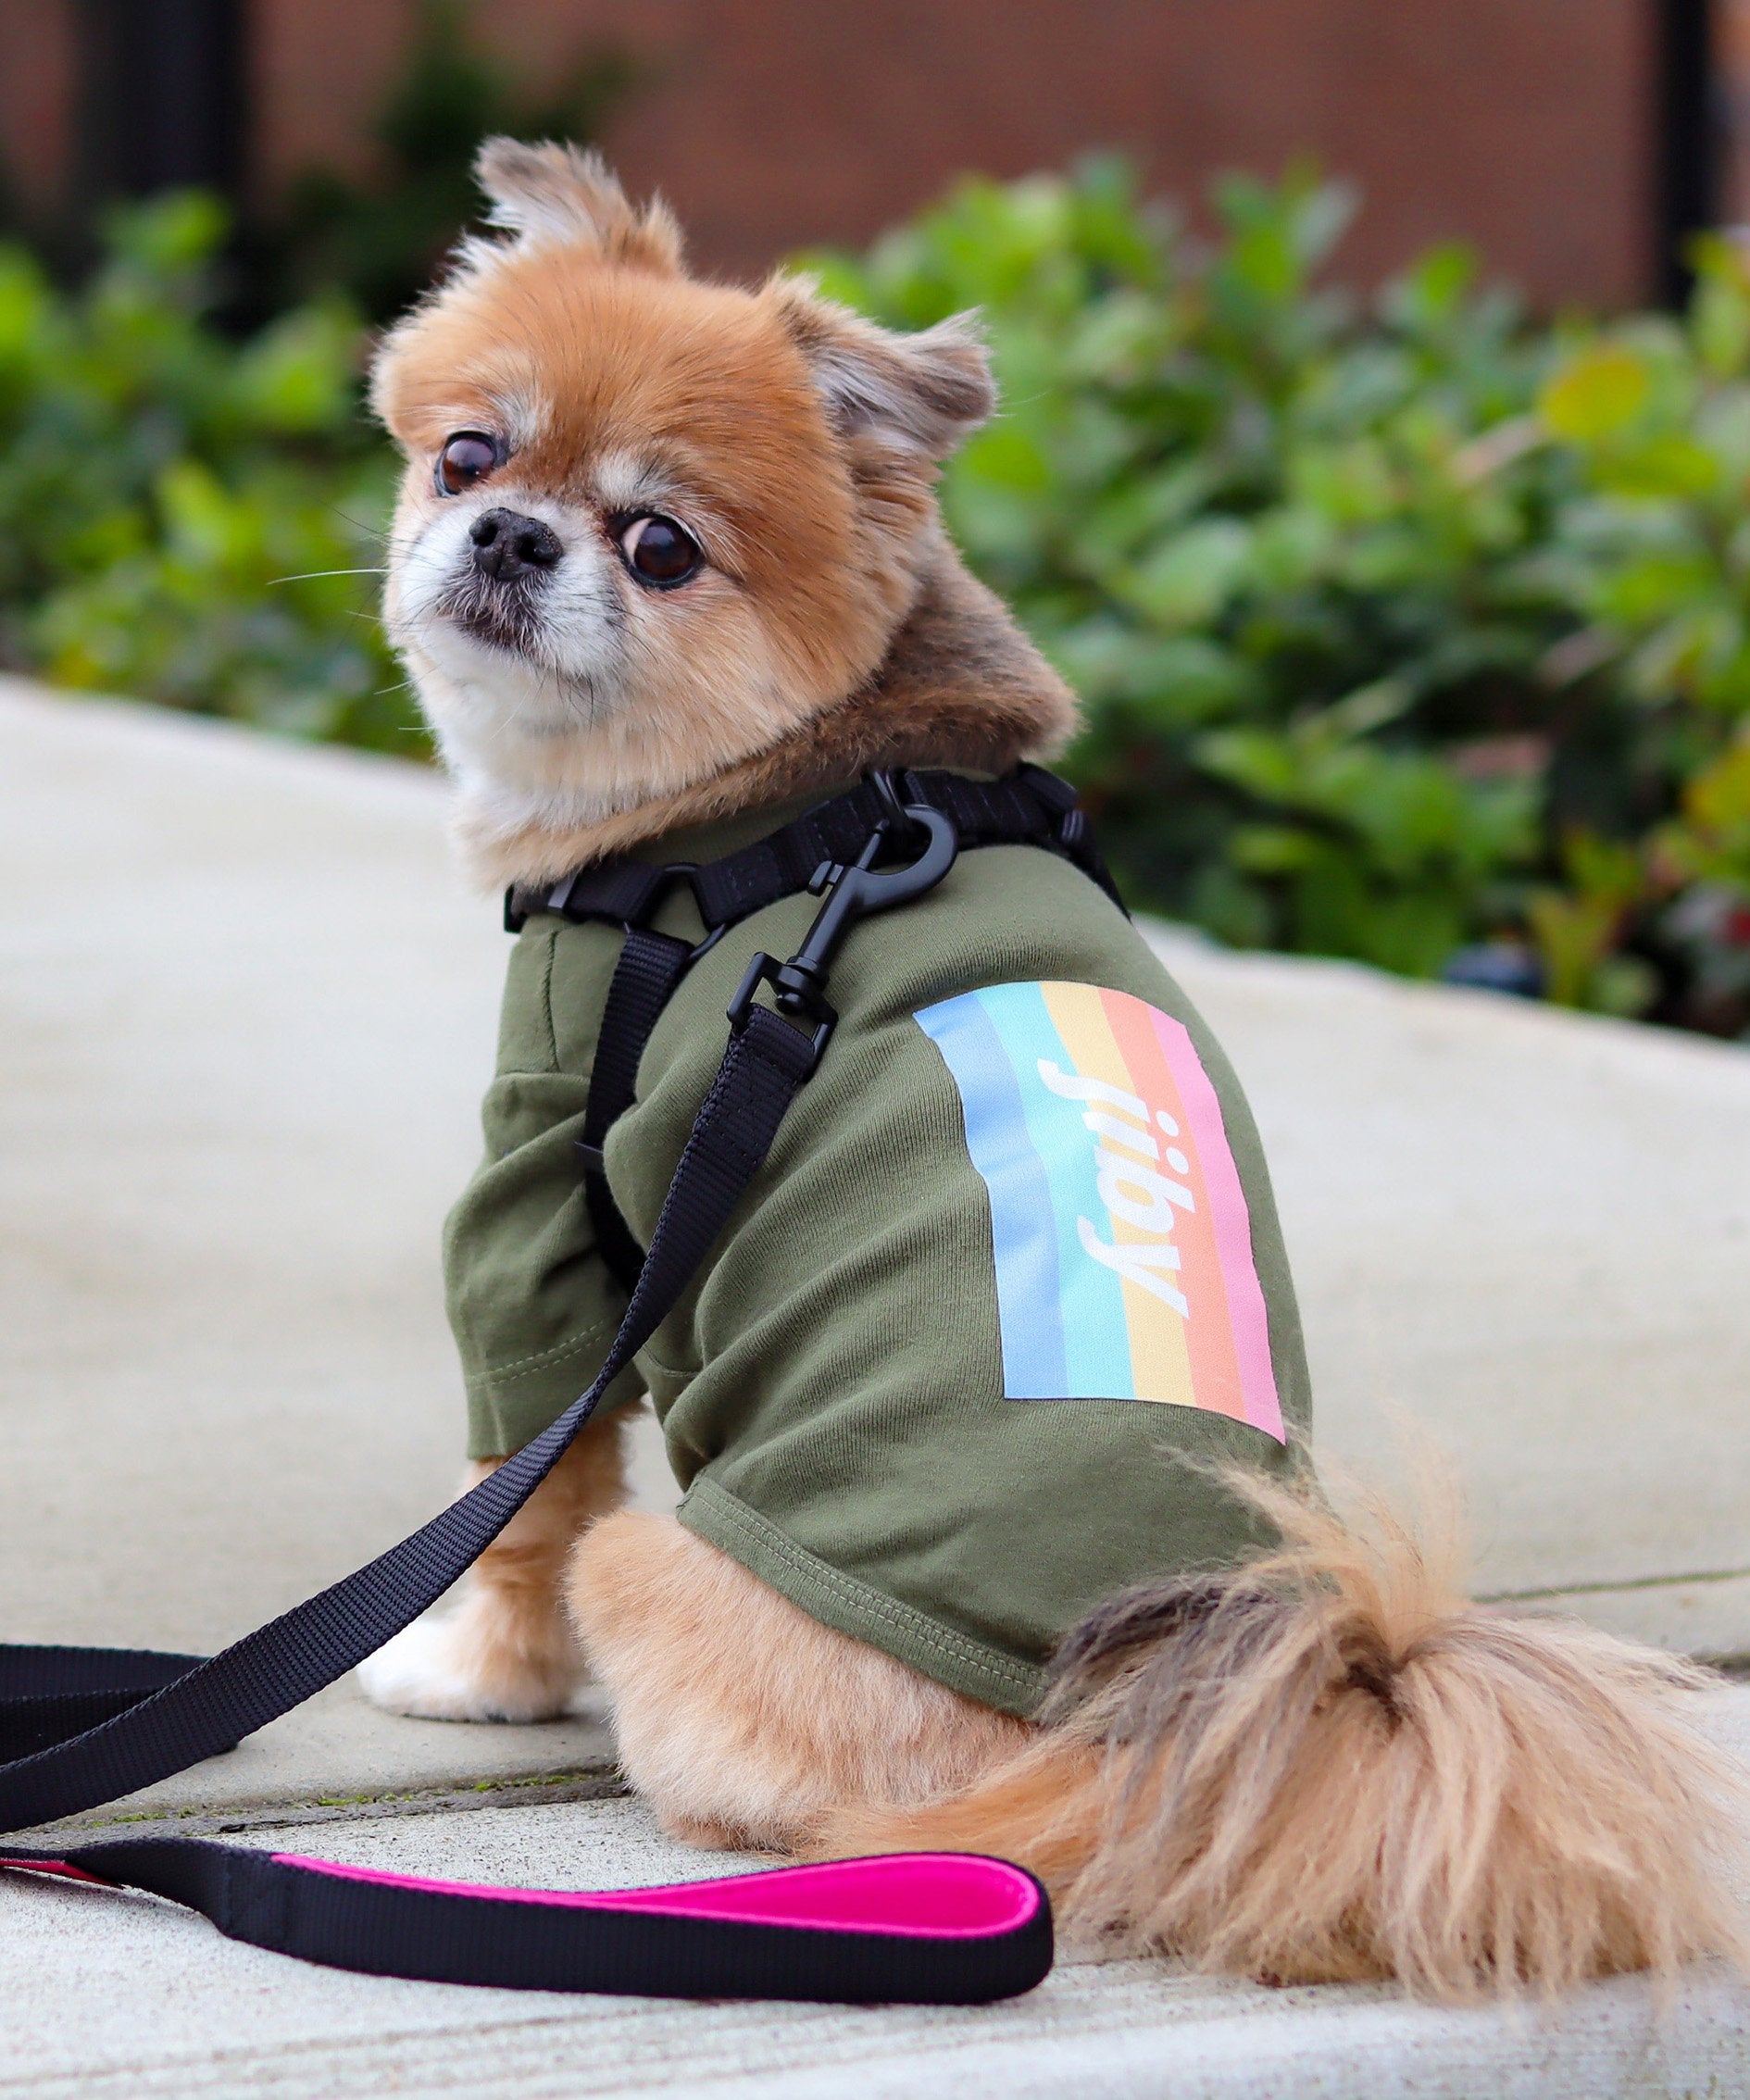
(1521,125)
(37,91)
(1731,56)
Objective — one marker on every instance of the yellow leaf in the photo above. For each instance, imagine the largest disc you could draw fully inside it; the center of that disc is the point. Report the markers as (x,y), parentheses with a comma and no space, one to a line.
(1595,394)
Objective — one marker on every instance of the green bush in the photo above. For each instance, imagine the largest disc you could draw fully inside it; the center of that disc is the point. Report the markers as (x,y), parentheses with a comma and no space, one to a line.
(1416,633)
(187,518)
(1400,629)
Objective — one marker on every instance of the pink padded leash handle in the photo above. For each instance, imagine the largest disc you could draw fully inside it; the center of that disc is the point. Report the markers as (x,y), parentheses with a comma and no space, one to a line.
(923,1927)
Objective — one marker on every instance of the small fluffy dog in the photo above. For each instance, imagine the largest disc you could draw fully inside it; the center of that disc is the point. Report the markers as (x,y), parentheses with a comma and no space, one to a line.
(666,567)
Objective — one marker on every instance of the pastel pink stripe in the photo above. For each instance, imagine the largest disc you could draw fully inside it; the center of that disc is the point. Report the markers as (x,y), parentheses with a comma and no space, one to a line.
(919,1894)
(1232,1223)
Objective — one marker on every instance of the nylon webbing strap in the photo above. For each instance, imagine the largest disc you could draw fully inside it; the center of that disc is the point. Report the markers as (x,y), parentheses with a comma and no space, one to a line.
(1029,806)
(617,889)
(47,1694)
(650,966)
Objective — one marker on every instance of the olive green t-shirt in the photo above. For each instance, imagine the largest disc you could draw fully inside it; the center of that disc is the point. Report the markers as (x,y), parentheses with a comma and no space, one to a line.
(1012,1259)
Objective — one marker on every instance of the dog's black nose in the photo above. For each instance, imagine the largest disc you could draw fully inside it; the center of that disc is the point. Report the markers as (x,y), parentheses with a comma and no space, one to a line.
(508,545)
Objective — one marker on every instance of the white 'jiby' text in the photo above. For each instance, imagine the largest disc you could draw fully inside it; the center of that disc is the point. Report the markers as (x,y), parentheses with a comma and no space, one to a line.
(1128,1185)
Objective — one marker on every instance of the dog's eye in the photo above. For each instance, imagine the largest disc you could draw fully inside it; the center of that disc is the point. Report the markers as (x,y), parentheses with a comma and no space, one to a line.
(465,459)
(658,551)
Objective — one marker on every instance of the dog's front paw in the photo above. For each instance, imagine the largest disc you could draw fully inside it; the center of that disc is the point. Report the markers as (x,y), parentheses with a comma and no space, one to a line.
(453,1670)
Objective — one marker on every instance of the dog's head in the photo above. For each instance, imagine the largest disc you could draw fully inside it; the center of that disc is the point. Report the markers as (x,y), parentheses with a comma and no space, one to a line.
(649,525)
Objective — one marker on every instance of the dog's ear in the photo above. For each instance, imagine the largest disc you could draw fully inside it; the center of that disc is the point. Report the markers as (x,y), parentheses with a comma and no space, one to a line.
(925,392)
(555,195)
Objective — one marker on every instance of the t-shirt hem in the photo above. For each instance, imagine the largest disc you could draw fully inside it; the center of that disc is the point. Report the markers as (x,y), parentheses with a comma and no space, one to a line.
(964,1664)
(500,1422)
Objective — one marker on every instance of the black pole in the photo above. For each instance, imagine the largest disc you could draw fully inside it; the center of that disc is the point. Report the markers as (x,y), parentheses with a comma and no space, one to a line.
(161,94)
(1688,140)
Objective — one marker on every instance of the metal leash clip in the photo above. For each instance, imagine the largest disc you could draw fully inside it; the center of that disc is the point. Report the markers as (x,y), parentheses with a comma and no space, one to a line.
(852,892)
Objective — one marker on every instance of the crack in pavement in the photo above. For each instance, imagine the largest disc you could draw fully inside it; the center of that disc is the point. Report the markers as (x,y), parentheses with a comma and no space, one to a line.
(599,1783)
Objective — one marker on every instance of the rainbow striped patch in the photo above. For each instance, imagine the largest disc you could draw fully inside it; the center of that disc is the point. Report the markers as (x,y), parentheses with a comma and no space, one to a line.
(1123,1246)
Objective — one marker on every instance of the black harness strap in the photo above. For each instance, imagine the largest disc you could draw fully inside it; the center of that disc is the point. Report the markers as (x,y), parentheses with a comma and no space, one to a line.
(650,967)
(1028,807)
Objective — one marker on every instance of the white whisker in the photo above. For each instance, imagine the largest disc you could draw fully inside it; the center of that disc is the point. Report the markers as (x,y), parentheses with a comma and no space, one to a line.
(308,575)
(358,524)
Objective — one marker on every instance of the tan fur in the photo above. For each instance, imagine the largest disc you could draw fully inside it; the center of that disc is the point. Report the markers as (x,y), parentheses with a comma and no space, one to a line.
(557,195)
(507,1651)
(741,1718)
(1328,1765)
(515,1598)
(1323,1765)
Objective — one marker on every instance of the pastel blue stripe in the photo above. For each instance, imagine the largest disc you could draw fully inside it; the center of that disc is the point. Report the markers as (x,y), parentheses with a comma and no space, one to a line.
(1090,1309)
(1029,1296)
(1065,1331)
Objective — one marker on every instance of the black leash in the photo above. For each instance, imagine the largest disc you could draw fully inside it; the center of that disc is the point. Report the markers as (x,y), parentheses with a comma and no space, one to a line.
(143,1717)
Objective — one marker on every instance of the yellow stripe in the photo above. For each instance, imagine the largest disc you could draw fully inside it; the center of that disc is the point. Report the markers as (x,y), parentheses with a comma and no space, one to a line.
(1160,1358)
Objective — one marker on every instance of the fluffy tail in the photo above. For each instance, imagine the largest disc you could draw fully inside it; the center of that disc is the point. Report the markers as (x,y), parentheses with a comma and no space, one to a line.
(1328,1765)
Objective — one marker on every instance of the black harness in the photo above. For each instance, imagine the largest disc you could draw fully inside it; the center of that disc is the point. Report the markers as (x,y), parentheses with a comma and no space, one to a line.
(81,1727)
(1027,807)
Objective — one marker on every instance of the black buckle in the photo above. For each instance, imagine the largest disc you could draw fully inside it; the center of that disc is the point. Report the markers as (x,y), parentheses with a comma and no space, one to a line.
(852,892)
(521,904)
(1050,788)
(683,872)
(1070,828)
(793,997)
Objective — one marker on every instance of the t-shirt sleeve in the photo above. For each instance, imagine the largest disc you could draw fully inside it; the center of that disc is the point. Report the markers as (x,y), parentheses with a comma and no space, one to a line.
(532,1303)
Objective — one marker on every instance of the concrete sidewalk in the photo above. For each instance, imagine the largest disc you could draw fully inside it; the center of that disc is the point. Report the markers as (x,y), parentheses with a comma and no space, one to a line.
(111,2000)
(248,1010)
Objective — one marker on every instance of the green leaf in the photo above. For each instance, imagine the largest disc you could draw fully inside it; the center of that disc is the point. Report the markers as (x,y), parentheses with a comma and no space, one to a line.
(171,233)
(1431,293)
(1667,465)
(1719,315)
(1188,579)
(300,375)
